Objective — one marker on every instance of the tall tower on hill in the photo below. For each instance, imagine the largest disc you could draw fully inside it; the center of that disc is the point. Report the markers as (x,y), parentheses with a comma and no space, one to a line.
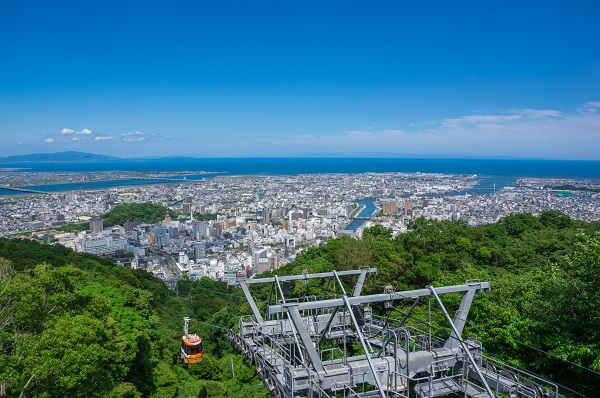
(167,220)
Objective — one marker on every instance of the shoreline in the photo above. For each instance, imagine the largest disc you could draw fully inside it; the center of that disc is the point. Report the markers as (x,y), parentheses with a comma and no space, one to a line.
(140,179)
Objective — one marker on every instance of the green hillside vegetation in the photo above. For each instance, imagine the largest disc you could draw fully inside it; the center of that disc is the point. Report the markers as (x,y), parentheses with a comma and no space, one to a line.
(569,187)
(145,212)
(75,228)
(205,217)
(73,324)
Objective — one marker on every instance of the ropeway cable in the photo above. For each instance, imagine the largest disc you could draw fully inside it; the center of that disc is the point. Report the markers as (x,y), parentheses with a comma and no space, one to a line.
(557,357)
(540,350)
(217,292)
(438,329)
(211,325)
(203,323)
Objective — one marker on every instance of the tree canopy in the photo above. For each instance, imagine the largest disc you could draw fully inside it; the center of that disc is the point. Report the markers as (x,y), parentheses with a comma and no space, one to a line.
(72,324)
(145,212)
(76,325)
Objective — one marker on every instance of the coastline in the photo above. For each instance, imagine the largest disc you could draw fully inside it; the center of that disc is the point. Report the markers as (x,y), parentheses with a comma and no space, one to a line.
(492,174)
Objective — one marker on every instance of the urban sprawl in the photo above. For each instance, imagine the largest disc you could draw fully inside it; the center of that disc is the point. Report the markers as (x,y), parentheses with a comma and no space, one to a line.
(261,223)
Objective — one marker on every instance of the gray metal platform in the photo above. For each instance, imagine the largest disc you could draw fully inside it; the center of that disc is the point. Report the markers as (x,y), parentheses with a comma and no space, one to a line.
(437,388)
(474,391)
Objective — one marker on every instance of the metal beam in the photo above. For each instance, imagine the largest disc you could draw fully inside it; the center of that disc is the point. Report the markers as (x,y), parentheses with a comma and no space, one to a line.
(460,318)
(310,276)
(337,278)
(279,288)
(462,342)
(365,348)
(250,300)
(410,310)
(359,283)
(326,329)
(296,318)
(375,298)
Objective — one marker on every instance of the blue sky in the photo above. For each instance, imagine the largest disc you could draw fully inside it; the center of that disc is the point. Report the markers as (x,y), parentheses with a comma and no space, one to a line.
(311,78)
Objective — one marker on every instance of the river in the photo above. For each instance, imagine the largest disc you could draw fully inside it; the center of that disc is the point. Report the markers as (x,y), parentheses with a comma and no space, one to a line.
(368,210)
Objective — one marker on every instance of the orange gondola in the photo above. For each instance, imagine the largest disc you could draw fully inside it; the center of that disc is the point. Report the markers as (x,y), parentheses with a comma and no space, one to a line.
(191,345)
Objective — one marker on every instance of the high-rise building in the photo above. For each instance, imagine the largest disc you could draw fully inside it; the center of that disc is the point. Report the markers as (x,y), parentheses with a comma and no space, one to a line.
(199,251)
(96,224)
(199,230)
(173,232)
(128,225)
(390,208)
(266,216)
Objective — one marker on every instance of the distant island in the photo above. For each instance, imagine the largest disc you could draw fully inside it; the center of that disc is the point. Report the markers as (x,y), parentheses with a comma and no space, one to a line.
(69,156)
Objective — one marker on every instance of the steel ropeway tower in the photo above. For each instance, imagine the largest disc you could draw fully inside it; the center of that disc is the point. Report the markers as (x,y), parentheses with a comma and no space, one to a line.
(334,346)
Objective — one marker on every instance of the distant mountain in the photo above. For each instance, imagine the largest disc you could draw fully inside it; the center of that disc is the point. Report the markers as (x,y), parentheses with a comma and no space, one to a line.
(69,156)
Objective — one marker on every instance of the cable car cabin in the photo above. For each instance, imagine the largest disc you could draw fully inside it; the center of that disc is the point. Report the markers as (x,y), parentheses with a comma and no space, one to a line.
(191,345)
(191,348)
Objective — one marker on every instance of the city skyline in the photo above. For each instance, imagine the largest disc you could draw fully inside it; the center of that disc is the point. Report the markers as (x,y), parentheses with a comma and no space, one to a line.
(273,79)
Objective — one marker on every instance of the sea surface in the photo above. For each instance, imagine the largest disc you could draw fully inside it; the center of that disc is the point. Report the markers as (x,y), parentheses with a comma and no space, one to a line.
(286,166)
(501,172)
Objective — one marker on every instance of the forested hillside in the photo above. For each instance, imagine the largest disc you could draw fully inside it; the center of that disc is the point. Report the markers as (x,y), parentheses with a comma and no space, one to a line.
(145,212)
(76,325)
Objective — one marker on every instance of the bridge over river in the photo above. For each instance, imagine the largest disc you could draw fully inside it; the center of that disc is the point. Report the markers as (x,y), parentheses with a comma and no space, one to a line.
(26,190)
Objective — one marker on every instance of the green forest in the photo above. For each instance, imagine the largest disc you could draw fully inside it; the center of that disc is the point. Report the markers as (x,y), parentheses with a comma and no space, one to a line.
(73,324)
(145,212)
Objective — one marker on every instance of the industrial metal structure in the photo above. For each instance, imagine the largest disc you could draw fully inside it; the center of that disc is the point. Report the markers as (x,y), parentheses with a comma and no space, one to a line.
(334,345)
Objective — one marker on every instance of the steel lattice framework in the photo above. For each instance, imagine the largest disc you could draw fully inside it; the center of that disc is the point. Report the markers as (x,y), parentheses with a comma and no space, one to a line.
(335,346)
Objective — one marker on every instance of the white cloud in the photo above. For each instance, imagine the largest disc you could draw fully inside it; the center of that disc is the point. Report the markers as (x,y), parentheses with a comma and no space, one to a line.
(75,139)
(133,136)
(158,137)
(537,113)
(359,133)
(84,132)
(426,123)
(590,107)
(394,132)
(476,119)
(103,138)
(49,140)
(66,131)
(524,133)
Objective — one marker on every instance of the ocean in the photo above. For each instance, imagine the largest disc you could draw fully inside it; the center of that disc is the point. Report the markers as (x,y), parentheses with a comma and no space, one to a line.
(502,172)
(286,166)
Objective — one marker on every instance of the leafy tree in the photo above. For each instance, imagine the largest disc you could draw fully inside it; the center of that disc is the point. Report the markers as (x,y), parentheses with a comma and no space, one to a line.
(376,231)
(125,390)
(75,228)
(75,356)
(145,212)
